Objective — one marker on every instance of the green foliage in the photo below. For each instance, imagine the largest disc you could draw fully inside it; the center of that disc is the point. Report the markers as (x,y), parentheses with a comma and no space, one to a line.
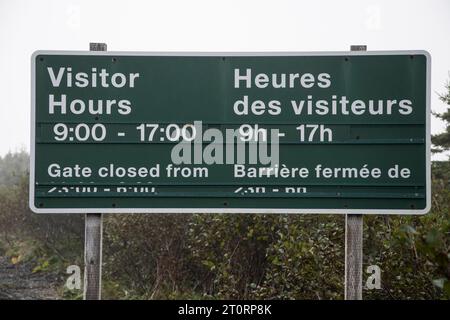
(268,256)
(413,252)
(147,255)
(73,294)
(12,168)
(442,140)
(210,256)
(230,252)
(307,259)
(46,243)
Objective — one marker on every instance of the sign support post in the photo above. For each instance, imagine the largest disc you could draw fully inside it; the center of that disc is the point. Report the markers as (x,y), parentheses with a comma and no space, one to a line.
(93,238)
(354,244)
(103,124)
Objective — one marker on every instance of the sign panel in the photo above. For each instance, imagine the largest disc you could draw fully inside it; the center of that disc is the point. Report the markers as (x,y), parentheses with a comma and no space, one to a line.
(342,132)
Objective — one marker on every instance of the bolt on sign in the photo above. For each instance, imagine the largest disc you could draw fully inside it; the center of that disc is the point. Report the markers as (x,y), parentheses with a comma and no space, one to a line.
(327,132)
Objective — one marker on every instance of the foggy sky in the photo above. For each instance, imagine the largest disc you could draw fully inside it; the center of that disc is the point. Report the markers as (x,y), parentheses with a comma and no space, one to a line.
(208,25)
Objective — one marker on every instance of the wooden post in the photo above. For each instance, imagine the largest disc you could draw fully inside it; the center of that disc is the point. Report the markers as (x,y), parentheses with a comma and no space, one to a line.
(93,256)
(354,245)
(353,256)
(93,234)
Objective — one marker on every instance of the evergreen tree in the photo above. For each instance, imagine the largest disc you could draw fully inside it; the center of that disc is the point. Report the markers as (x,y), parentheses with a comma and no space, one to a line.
(442,141)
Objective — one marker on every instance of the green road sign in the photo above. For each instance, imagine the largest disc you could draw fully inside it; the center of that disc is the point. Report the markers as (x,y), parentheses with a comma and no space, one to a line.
(341,132)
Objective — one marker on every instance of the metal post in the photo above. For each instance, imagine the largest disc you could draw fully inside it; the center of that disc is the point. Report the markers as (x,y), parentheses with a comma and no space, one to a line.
(93,240)
(354,244)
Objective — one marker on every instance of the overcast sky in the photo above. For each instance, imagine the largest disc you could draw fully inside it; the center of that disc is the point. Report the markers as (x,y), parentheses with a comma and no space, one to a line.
(208,25)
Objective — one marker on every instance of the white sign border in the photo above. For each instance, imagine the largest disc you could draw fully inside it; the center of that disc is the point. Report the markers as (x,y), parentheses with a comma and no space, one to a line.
(232,210)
